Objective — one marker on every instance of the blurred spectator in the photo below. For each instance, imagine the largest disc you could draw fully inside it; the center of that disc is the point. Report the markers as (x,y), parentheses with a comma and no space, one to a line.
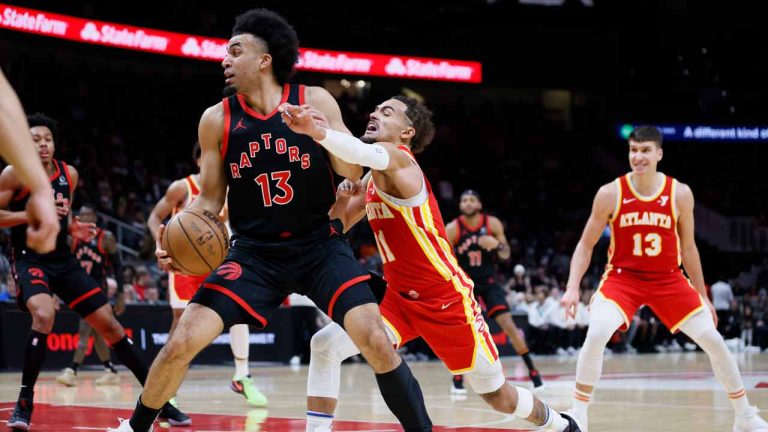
(722,296)
(519,282)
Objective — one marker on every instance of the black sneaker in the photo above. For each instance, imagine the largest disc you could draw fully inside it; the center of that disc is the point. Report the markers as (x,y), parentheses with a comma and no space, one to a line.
(572,425)
(535,376)
(458,385)
(22,415)
(174,416)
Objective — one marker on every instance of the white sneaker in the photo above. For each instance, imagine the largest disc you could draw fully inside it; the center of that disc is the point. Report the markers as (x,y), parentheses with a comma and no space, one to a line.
(562,352)
(750,422)
(108,378)
(125,426)
(580,418)
(67,377)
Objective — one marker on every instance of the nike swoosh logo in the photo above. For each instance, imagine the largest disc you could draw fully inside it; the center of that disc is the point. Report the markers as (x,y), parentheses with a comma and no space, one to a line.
(628,200)
(445,306)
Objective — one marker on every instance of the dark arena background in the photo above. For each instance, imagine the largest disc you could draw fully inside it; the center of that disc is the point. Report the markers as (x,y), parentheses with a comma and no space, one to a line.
(533,104)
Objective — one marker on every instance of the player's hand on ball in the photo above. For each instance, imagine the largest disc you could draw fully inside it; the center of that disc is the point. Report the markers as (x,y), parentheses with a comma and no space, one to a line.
(570,301)
(488,242)
(164,261)
(83,231)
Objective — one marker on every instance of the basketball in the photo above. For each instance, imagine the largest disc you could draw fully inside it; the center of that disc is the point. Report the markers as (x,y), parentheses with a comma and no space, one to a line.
(197,241)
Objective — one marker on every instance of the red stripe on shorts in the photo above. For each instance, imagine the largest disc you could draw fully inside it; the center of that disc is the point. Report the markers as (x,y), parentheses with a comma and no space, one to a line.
(343,288)
(80,299)
(237,300)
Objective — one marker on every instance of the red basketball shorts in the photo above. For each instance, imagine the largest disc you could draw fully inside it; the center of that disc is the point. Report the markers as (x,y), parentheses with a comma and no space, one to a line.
(181,288)
(670,295)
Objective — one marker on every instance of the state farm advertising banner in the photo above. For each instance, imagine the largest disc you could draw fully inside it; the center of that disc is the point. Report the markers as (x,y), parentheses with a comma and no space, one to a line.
(213,49)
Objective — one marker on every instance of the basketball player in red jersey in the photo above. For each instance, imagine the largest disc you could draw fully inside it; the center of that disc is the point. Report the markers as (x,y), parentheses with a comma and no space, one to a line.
(478,240)
(40,276)
(428,294)
(18,150)
(650,216)
(181,287)
(278,186)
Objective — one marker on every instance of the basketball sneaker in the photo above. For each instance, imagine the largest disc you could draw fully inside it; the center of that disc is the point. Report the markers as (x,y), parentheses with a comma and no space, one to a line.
(247,388)
(748,423)
(573,426)
(125,426)
(67,377)
(175,417)
(535,376)
(107,378)
(21,416)
(458,385)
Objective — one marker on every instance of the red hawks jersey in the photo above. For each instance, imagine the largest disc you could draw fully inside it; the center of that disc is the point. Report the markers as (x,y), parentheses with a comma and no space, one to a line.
(193,190)
(644,234)
(412,242)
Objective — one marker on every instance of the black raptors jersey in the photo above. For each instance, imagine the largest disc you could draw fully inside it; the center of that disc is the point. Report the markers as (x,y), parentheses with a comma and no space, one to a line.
(93,257)
(62,190)
(479,263)
(280,183)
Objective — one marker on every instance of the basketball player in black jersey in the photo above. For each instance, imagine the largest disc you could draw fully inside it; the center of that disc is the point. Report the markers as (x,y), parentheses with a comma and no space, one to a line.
(17,150)
(99,258)
(281,187)
(479,241)
(39,276)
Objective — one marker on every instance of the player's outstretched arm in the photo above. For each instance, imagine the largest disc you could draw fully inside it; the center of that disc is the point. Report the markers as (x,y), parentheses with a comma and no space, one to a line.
(17,148)
(603,207)
(688,250)
(213,180)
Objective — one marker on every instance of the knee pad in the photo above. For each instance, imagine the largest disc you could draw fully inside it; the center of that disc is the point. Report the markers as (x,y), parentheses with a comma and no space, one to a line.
(333,342)
(487,377)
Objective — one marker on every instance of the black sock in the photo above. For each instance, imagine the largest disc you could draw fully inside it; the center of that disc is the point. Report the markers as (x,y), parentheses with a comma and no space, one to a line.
(109,366)
(129,357)
(143,417)
(74,366)
(34,357)
(528,362)
(403,396)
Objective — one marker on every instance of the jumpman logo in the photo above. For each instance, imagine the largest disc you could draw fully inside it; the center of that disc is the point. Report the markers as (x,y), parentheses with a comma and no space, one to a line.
(240,125)
(333,231)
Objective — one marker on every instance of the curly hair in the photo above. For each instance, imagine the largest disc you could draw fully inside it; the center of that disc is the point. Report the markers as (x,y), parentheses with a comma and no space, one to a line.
(40,119)
(281,39)
(421,117)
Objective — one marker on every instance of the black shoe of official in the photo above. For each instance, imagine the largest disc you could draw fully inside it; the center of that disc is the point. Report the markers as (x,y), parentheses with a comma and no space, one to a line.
(22,415)
(174,416)
(536,379)
(572,425)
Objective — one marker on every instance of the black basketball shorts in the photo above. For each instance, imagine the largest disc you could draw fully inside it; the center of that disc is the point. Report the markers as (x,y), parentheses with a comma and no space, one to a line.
(256,277)
(493,297)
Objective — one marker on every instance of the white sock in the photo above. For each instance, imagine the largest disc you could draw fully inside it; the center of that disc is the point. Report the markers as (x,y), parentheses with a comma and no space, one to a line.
(239,342)
(581,402)
(739,402)
(317,419)
(555,422)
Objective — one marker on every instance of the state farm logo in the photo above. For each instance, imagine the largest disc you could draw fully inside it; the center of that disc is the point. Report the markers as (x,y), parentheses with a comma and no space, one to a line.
(333,62)
(123,37)
(415,68)
(206,49)
(395,67)
(90,32)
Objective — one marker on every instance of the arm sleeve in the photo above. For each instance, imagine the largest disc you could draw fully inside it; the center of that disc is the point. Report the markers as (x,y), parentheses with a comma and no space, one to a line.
(352,150)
